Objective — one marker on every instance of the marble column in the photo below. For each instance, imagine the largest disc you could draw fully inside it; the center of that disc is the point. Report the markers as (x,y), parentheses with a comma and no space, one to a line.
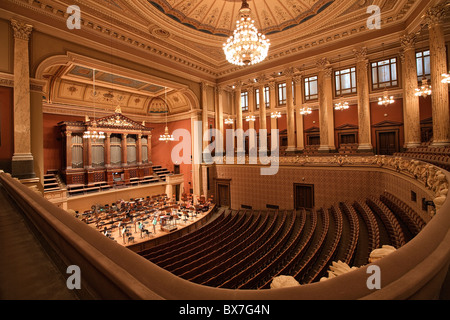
(290,111)
(219,118)
(362,82)
(22,165)
(299,117)
(204,87)
(262,113)
(239,121)
(438,60)
(196,155)
(326,109)
(262,103)
(251,105)
(273,104)
(411,111)
(238,105)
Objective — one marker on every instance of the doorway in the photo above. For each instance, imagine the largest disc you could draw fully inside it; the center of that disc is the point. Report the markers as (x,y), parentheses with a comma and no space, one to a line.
(303,196)
(387,142)
(223,195)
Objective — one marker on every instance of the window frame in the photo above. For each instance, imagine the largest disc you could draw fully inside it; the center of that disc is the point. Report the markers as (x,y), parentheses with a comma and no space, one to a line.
(353,86)
(384,85)
(307,81)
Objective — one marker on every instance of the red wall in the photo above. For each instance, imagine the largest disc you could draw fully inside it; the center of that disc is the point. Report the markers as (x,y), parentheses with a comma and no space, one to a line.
(161,151)
(6,128)
(393,112)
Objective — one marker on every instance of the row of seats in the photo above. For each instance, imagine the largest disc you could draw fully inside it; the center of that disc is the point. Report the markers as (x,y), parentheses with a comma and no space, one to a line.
(246,249)
(439,156)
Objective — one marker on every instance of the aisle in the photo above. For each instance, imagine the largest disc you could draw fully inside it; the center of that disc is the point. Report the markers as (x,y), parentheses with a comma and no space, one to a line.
(26,271)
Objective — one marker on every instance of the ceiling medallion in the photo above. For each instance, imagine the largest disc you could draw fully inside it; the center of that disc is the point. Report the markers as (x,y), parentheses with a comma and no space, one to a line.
(246,46)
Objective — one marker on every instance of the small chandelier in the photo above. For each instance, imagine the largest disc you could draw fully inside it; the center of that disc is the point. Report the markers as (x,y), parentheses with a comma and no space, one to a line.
(386,100)
(424,90)
(166,137)
(305,111)
(250,118)
(246,46)
(94,135)
(341,106)
(446,78)
(229,121)
(275,115)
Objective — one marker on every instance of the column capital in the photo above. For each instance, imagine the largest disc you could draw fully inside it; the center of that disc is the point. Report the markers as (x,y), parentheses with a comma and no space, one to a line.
(298,78)
(289,72)
(68,133)
(408,41)
(237,85)
(271,84)
(261,80)
(219,89)
(21,30)
(360,54)
(435,15)
(324,66)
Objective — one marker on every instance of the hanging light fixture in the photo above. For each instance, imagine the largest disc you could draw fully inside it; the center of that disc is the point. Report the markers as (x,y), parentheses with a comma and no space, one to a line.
(305,111)
(229,121)
(275,115)
(250,118)
(341,105)
(94,135)
(446,77)
(246,46)
(424,90)
(166,137)
(386,99)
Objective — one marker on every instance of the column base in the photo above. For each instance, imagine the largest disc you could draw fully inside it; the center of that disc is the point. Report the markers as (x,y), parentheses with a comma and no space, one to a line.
(326,149)
(291,149)
(411,145)
(22,166)
(366,147)
(438,144)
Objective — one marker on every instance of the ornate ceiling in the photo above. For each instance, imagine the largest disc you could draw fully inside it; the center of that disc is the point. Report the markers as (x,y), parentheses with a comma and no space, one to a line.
(219,17)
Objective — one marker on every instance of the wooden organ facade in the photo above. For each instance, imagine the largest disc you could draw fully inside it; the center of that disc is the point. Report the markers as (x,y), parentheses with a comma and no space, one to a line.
(123,156)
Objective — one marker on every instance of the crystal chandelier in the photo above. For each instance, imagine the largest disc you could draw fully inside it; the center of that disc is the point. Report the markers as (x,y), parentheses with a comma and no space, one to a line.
(246,46)
(229,121)
(305,111)
(94,135)
(341,106)
(250,118)
(446,78)
(386,100)
(166,137)
(275,115)
(424,90)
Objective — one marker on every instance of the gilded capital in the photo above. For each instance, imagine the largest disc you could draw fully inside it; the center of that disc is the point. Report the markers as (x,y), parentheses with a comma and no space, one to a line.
(21,30)
(435,15)
(360,54)
(408,41)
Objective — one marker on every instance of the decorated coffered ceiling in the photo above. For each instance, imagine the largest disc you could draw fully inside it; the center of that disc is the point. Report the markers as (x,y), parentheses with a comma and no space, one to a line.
(74,85)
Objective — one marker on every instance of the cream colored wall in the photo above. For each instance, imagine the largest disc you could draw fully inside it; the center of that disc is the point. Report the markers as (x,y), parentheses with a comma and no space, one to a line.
(84,202)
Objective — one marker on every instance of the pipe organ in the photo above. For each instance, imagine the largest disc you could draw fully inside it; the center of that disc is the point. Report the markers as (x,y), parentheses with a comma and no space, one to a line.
(123,156)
